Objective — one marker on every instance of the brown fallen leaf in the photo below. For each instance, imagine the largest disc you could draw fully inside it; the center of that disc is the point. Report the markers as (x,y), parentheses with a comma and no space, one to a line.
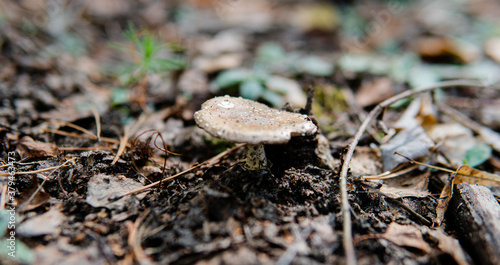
(374,91)
(401,235)
(47,223)
(29,148)
(32,197)
(433,47)
(444,200)
(475,176)
(447,244)
(406,236)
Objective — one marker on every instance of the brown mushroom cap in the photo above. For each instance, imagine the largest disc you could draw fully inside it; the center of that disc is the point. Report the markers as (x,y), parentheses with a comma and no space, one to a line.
(245,121)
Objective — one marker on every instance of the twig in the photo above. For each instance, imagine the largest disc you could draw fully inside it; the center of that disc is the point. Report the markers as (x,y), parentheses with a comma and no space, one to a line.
(347,226)
(310,96)
(425,165)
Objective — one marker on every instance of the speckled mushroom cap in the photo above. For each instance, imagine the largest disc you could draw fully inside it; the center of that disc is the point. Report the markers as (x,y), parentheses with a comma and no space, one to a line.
(245,121)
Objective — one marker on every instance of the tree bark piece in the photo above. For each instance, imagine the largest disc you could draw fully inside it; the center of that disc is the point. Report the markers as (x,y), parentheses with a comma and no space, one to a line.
(474,214)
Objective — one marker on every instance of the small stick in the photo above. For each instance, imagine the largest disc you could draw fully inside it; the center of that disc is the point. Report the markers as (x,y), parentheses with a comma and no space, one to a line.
(310,96)
(347,226)
(426,165)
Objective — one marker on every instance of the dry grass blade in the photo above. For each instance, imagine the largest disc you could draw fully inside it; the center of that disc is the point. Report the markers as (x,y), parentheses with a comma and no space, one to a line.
(76,127)
(390,174)
(123,145)
(103,139)
(97,118)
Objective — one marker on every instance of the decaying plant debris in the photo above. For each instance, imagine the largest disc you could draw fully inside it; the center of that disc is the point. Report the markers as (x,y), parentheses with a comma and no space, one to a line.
(102,161)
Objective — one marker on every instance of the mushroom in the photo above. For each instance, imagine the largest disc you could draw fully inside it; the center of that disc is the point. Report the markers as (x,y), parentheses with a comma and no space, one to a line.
(245,121)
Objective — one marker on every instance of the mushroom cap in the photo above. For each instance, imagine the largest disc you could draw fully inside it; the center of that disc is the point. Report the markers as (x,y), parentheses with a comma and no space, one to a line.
(246,121)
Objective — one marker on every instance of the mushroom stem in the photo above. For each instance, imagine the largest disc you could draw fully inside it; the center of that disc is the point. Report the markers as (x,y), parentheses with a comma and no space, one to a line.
(255,158)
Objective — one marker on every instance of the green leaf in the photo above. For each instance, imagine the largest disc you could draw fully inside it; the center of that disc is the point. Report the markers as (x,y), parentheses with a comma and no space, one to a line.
(477,155)
(119,96)
(270,52)
(230,78)
(251,89)
(16,251)
(401,103)
(316,66)
(158,65)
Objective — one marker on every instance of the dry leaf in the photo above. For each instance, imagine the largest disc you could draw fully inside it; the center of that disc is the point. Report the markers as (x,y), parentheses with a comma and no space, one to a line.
(29,148)
(406,186)
(475,176)
(101,187)
(453,141)
(365,162)
(412,142)
(406,236)
(29,200)
(447,244)
(374,92)
(44,224)
(432,47)
(444,200)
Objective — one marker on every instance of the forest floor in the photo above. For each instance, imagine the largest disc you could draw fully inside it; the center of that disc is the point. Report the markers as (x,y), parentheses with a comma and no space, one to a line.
(98,101)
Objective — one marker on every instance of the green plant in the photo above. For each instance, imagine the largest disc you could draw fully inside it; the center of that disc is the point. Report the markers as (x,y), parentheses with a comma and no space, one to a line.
(148,55)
